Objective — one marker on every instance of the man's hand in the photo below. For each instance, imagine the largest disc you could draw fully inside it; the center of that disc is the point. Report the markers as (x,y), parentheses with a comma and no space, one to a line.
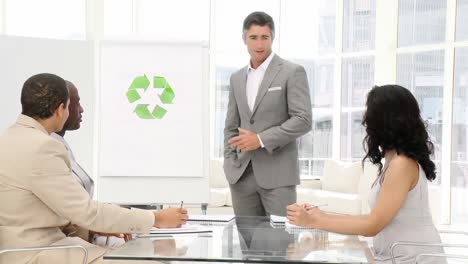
(126,237)
(171,217)
(245,141)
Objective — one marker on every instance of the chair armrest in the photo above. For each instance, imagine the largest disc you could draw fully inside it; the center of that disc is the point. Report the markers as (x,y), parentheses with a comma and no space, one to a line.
(452,232)
(85,259)
(396,244)
(440,255)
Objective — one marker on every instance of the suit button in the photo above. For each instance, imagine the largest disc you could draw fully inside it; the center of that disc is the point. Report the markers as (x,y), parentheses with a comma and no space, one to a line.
(251,121)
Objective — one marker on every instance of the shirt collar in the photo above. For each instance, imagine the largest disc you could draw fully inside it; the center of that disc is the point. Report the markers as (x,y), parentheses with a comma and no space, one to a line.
(264,65)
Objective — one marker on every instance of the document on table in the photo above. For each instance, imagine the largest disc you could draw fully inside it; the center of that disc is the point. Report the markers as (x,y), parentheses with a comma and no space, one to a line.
(277,219)
(185,229)
(211,218)
(282,221)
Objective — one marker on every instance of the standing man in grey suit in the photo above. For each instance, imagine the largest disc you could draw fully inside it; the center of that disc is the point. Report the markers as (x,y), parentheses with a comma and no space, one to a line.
(269,108)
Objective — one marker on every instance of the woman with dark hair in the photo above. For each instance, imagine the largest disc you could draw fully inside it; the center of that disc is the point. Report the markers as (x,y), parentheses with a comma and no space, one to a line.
(399,196)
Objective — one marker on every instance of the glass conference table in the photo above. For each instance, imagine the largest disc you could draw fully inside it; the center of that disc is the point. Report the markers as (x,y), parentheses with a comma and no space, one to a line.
(247,240)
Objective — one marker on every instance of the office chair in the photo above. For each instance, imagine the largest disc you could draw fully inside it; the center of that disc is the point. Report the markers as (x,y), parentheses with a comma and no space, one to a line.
(440,255)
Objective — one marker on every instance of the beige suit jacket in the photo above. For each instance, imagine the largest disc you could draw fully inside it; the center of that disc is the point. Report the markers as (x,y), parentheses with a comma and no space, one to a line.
(39,196)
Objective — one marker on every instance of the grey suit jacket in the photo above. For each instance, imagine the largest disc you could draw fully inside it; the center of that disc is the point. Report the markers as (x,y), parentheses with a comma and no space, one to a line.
(280,116)
(39,196)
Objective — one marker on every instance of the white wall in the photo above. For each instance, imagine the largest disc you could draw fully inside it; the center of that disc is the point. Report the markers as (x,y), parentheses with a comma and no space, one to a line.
(22,57)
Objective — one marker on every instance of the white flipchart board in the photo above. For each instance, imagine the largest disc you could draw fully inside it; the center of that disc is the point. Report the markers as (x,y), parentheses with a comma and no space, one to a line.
(165,160)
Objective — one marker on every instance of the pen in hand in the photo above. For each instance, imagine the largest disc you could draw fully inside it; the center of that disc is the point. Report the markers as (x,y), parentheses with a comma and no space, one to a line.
(181,204)
(309,207)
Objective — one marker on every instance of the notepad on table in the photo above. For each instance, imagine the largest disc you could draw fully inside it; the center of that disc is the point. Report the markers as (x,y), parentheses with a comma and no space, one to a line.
(185,229)
(277,221)
(211,218)
(282,221)
(293,229)
(289,226)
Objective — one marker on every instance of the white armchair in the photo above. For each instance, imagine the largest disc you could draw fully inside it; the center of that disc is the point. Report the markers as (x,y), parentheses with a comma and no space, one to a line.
(220,196)
(344,187)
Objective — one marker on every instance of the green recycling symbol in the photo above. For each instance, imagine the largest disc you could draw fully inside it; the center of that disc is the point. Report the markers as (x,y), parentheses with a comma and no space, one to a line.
(142,83)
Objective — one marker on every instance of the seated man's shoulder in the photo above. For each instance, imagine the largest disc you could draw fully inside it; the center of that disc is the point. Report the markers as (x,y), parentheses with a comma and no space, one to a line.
(39,141)
(29,138)
(49,142)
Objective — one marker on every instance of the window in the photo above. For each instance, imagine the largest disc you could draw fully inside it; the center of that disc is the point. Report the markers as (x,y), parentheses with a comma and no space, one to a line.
(316,146)
(357,80)
(421,56)
(421,22)
(358,25)
(459,178)
(423,74)
(459,162)
(157,19)
(46,19)
(166,20)
(118,18)
(462,20)
(308,38)
(357,74)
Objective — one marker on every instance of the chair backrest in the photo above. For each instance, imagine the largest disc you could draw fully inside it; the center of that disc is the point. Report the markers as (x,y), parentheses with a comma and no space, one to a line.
(85,251)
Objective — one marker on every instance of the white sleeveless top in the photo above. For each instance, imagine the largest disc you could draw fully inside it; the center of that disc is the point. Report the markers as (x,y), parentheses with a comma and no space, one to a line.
(412,223)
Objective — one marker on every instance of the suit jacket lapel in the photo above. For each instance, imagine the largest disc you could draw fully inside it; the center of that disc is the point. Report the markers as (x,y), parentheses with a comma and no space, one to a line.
(243,91)
(270,75)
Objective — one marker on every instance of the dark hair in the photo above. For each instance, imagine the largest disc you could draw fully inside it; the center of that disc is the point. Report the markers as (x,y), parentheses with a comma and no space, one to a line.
(42,94)
(393,121)
(261,19)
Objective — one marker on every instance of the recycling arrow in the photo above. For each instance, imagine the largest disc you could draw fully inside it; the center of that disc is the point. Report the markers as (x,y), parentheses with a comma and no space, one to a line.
(166,97)
(140,82)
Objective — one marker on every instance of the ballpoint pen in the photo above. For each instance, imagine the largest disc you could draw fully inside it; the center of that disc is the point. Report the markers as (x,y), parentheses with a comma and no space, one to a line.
(307,208)
(181,204)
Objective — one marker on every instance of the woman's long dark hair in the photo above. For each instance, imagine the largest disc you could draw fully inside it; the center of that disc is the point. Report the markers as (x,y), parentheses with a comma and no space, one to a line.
(393,121)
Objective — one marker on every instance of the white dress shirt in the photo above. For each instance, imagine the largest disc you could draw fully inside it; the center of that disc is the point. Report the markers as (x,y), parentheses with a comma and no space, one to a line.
(80,174)
(254,79)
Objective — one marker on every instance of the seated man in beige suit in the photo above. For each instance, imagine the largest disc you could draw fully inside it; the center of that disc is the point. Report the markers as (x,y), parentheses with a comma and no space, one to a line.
(38,193)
